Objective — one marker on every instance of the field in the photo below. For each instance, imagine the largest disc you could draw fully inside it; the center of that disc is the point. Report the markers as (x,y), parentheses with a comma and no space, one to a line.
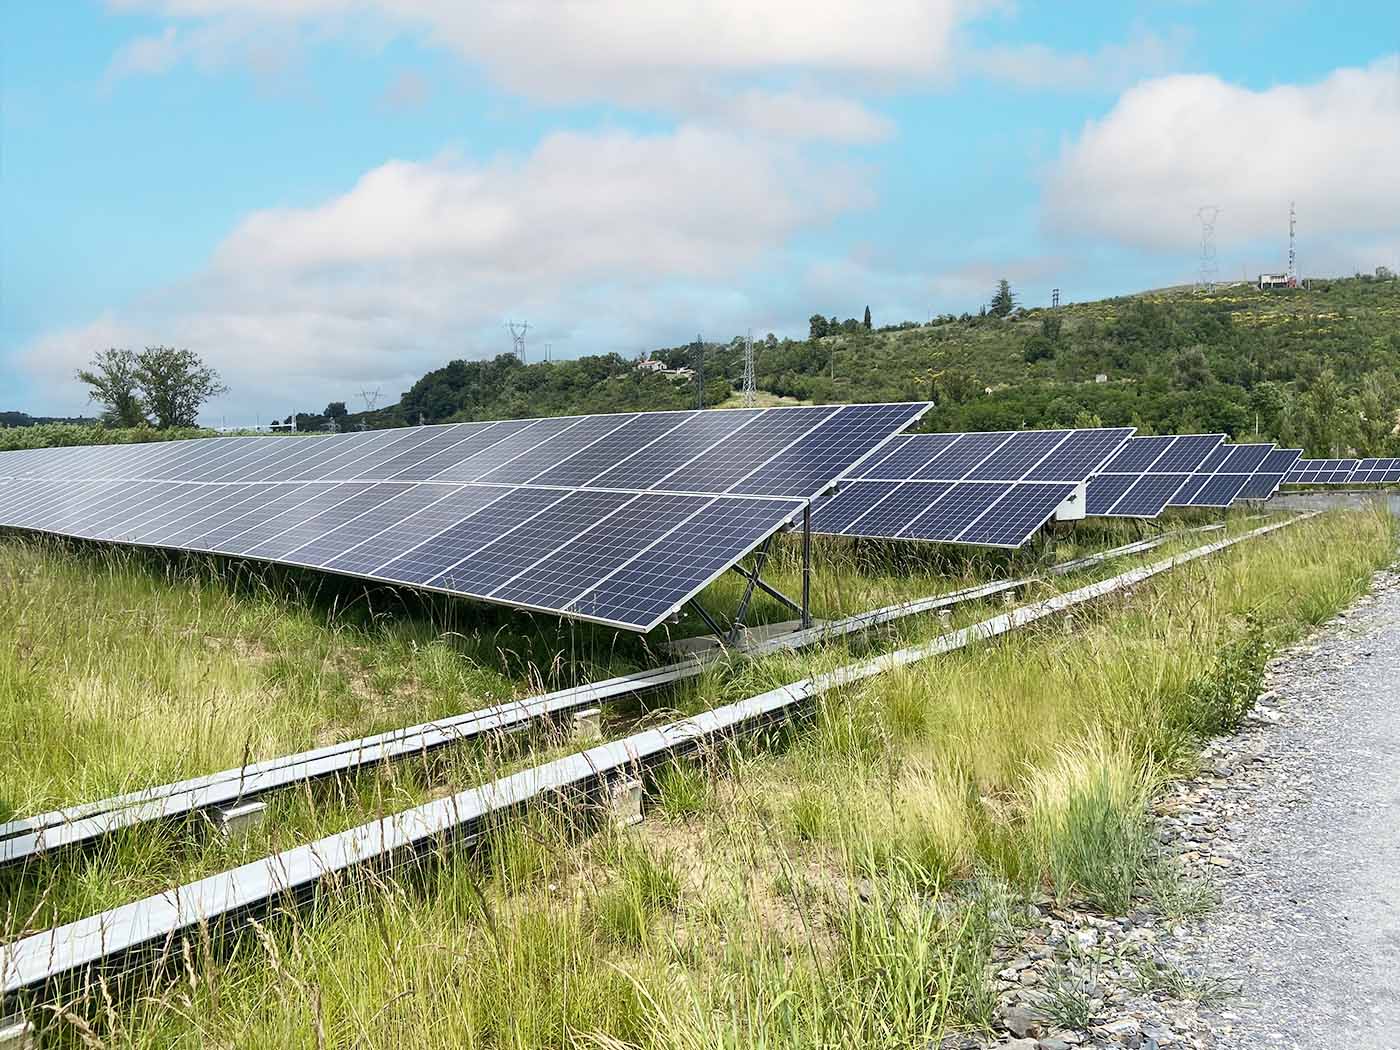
(839,881)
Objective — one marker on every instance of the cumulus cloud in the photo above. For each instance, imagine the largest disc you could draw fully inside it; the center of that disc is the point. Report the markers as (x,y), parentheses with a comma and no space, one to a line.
(608,241)
(1176,143)
(1111,67)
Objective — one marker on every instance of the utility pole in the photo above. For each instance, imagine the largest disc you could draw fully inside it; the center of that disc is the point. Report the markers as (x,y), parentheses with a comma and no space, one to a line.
(1292,253)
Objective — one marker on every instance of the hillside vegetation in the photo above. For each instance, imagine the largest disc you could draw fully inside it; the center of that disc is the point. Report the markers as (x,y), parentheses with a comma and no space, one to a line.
(1314,367)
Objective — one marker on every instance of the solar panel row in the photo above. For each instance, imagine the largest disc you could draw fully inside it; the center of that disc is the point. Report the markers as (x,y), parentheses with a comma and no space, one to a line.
(1264,482)
(618,519)
(988,489)
(1344,472)
(1146,473)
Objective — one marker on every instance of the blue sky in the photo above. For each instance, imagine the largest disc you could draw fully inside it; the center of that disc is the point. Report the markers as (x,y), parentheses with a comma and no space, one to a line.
(325,195)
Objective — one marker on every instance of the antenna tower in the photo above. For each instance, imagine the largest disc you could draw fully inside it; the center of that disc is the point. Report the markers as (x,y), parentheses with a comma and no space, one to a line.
(750,386)
(1054,298)
(517,337)
(1210,268)
(1292,253)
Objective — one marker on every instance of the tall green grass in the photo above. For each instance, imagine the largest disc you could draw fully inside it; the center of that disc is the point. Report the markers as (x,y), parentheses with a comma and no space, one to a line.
(839,883)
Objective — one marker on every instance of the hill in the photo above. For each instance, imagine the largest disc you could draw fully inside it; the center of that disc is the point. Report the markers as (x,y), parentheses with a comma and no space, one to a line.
(1315,367)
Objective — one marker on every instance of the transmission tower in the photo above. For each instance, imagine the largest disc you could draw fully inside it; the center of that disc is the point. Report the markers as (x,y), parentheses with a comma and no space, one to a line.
(699,372)
(1210,268)
(517,338)
(549,352)
(750,386)
(1054,298)
(371,399)
(1292,253)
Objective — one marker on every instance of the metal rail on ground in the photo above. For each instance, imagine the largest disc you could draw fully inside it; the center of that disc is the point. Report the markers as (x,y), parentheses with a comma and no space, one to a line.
(45,833)
(132,931)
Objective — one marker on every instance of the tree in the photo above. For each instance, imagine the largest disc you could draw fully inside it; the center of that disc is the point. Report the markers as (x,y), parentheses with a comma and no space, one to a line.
(336,410)
(867,321)
(1324,416)
(1004,300)
(175,384)
(818,327)
(113,379)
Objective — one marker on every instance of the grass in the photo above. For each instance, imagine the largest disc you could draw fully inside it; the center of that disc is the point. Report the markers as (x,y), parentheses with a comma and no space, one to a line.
(840,882)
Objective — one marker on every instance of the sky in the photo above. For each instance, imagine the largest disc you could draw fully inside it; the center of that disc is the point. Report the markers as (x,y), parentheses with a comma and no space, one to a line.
(323,197)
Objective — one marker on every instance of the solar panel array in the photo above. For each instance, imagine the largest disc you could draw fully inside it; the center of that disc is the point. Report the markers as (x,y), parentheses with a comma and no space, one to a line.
(615,518)
(991,489)
(1264,482)
(1221,477)
(1147,472)
(1344,472)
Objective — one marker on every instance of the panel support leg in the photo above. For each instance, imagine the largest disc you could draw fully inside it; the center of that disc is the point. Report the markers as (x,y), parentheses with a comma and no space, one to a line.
(768,589)
(742,611)
(806,565)
(710,622)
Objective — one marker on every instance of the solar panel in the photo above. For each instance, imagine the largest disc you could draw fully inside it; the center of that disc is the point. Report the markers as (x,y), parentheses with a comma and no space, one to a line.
(1223,475)
(615,518)
(1147,472)
(988,489)
(1264,482)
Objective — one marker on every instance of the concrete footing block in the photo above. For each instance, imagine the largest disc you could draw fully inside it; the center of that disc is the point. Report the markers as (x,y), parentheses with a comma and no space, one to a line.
(588,725)
(625,802)
(1008,598)
(945,618)
(17,1034)
(236,821)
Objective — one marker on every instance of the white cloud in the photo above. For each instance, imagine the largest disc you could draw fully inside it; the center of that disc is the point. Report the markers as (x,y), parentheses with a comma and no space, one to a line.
(605,241)
(728,62)
(409,90)
(1112,67)
(1171,145)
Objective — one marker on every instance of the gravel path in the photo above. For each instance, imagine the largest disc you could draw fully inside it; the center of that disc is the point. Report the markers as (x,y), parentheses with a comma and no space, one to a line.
(1308,808)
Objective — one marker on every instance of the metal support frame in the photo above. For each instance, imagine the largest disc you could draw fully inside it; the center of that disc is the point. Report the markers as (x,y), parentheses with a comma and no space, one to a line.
(743,609)
(807,565)
(710,621)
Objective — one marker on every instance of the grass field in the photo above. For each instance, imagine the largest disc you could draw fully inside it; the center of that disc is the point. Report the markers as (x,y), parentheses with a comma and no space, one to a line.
(840,882)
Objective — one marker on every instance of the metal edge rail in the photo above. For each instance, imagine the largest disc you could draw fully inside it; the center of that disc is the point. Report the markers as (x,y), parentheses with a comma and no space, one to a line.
(156,922)
(58,829)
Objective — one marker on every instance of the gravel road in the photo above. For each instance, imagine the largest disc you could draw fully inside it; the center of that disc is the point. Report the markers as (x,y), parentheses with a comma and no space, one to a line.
(1309,922)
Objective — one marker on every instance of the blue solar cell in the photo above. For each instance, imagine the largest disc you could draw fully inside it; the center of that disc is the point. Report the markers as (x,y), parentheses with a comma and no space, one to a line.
(384,461)
(503,451)
(355,532)
(400,537)
(1189,453)
(889,517)
(1215,460)
(735,457)
(1192,485)
(231,501)
(947,518)
(549,453)
(1219,490)
(1016,457)
(316,523)
(434,556)
(1281,460)
(903,456)
(1016,517)
(136,525)
(645,467)
(809,466)
(962,455)
(320,496)
(1104,490)
(1138,454)
(1082,453)
(587,463)
(646,590)
(1149,495)
(556,580)
(835,515)
(516,549)
(1245,459)
(273,501)
(1259,486)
